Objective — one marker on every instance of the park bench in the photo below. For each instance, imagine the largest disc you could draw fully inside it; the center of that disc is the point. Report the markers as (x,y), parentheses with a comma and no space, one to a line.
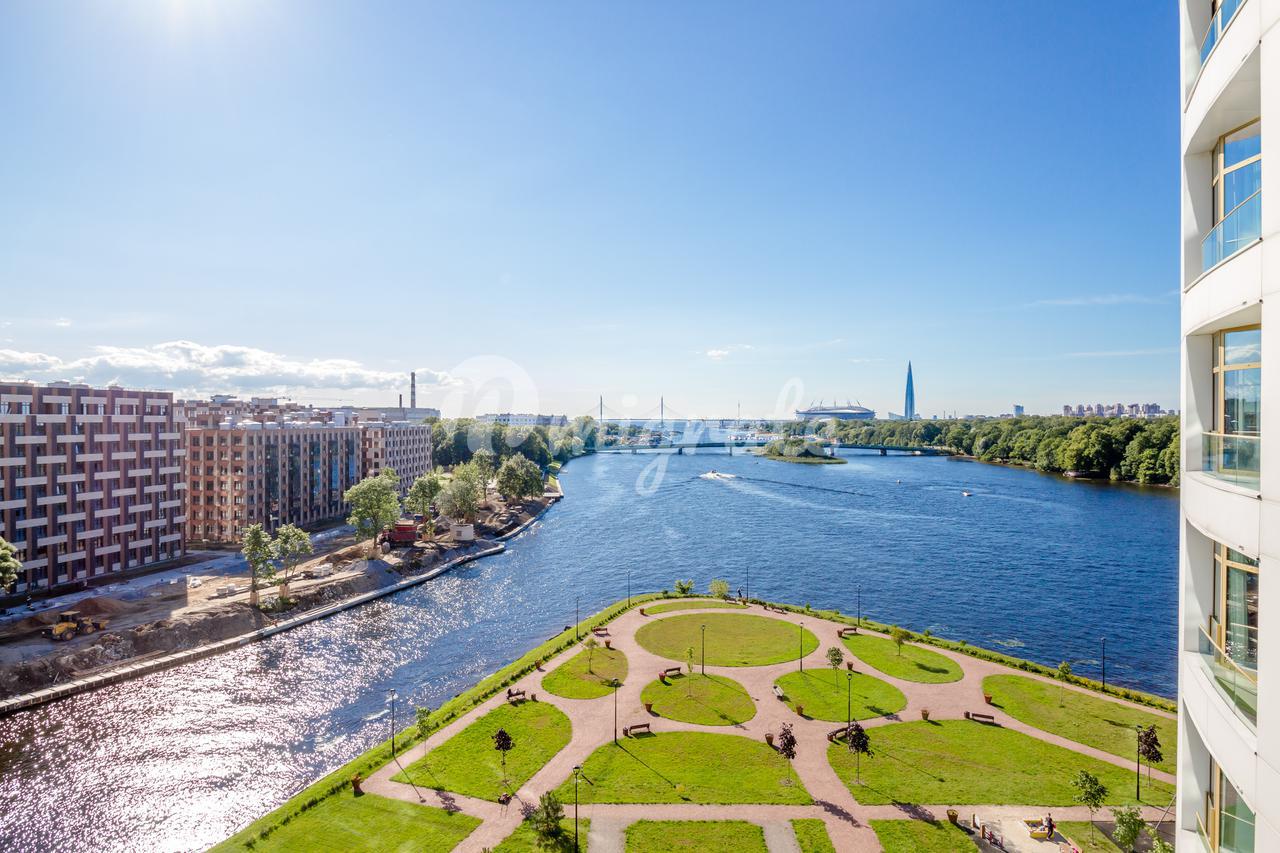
(980,718)
(513,695)
(600,632)
(777,691)
(836,734)
(629,731)
(671,670)
(846,632)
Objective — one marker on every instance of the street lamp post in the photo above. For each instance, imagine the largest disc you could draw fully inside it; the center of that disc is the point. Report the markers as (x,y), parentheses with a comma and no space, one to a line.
(1137,782)
(748,584)
(848,699)
(859,605)
(704,649)
(802,647)
(617,686)
(1104,664)
(577,600)
(628,587)
(391,698)
(577,771)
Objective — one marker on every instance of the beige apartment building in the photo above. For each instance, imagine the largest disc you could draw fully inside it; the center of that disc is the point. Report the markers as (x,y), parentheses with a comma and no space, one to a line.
(91,480)
(402,446)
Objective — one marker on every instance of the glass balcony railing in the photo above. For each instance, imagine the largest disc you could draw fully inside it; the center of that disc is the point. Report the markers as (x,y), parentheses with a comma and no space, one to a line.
(1222,20)
(1204,834)
(1241,227)
(1237,684)
(1235,459)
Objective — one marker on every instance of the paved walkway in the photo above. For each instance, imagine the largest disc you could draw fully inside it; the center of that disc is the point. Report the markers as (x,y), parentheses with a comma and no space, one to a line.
(846,820)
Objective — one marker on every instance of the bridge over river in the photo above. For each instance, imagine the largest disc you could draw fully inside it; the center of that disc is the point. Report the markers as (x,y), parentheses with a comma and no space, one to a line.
(730,444)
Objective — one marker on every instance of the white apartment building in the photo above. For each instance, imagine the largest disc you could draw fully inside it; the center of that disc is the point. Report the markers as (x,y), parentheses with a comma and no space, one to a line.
(1228,677)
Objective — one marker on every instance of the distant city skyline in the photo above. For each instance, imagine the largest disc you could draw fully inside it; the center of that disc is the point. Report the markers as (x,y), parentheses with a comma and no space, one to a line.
(733,214)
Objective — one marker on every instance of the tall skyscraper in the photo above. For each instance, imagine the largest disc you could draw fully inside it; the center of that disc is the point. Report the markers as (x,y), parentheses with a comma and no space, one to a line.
(1228,677)
(909,407)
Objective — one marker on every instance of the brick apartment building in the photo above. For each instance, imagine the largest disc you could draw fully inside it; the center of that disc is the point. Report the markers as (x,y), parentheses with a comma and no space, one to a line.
(91,480)
(404,447)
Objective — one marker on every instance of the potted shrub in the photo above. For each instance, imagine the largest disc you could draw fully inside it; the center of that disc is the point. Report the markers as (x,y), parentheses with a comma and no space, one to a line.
(648,706)
(642,613)
(986,697)
(800,709)
(849,665)
(355,784)
(608,644)
(953,816)
(924,714)
(768,738)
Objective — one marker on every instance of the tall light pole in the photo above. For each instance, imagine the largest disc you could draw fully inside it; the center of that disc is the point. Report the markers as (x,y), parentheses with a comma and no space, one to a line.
(628,587)
(802,647)
(577,599)
(577,771)
(1137,730)
(391,698)
(859,605)
(748,583)
(1104,664)
(704,649)
(848,699)
(617,686)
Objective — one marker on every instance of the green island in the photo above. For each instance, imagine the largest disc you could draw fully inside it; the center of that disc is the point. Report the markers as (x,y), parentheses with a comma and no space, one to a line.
(732,639)
(467,764)
(707,700)
(962,762)
(831,694)
(910,662)
(811,835)
(699,836)
(921,836)
(761,765)
(798,449)
(589,674)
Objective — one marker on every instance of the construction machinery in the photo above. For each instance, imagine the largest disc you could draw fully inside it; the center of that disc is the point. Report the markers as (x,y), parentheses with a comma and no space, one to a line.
(71,623)
(402,534)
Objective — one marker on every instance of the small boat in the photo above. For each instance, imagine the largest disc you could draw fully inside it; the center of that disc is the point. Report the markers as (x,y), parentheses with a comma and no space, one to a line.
(967,494)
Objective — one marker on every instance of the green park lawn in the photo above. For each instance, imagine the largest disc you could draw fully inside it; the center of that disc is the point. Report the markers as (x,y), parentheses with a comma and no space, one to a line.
(583,676)
(733,639)
(915,663)
(921,836)
(962,762)
(703,836)
(687,767)
(708,700)
(468,764)
(525,840)
(1080,717)
(698,603)
(1088,842)
(824,694)
(370,823)
(811,835)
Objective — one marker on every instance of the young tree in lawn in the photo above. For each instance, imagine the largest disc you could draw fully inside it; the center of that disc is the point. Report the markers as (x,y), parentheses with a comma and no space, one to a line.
(1149,747)
(504,744)
(423,718)
(835,657)
(422,494)
(1128,826)
(859,743)
(10,565)
(518,478)
(546,821)
(787,745)
(1064,675)
(720,588)
(591,645)
(1158,844)
(461,498)
(688,656)
(291,545)
(1090,792)
(684,587)
(374,504)
(485,462)
(258,549)
(899,636)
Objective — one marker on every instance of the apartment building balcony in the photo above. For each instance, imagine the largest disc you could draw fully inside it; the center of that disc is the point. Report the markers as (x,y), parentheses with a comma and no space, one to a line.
(1222,18)
(1234,679)
(1238,230)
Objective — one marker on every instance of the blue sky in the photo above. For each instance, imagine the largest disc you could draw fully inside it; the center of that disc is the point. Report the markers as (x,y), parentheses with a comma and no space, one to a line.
(535,204)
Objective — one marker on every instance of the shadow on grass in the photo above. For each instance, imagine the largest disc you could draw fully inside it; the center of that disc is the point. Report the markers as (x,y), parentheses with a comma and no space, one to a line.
(642,762)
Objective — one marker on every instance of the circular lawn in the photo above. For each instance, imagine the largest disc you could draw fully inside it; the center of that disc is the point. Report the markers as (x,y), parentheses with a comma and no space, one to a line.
(708,700)
(827,694)
(733,639)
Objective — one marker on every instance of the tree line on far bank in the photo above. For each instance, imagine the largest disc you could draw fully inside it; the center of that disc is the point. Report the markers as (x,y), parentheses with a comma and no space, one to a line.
(455,441)
(1128,449)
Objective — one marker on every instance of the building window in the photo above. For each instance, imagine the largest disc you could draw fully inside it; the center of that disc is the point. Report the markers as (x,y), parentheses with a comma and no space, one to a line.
(1233,450)
(1228,822)
(1229,643)
(1237,194)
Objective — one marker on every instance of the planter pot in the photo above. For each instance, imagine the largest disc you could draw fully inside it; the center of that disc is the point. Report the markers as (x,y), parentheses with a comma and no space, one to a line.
(849,665)
(768,738)
(953,816)
(608,644)
(648,706)
(355,785)
(642,613)
(800,710)
(986,697)
(924,714)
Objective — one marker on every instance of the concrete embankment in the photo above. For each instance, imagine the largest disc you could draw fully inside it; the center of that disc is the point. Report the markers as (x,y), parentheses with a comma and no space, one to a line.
(168,643)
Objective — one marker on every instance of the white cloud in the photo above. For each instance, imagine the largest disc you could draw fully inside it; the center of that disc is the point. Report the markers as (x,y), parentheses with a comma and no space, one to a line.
(190,368)
(62,323)
(721,353)
(717,354)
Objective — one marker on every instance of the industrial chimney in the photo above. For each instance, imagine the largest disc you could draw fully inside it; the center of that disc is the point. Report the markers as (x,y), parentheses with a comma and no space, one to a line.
(413,390)
(401,404)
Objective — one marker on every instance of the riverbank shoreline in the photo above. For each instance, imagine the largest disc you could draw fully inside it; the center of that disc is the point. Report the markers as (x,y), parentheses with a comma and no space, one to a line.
(220,620)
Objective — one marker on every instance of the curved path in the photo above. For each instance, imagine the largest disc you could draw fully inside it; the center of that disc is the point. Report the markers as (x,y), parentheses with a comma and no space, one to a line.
(847,821)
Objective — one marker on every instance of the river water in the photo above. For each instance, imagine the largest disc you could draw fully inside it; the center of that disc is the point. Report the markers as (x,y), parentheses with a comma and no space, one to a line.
(1037,566)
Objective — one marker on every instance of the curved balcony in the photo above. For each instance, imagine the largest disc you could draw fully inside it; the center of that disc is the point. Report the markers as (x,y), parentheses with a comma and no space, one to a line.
(1238,230)
(1225,15)
(1234,459)
(1238,685)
